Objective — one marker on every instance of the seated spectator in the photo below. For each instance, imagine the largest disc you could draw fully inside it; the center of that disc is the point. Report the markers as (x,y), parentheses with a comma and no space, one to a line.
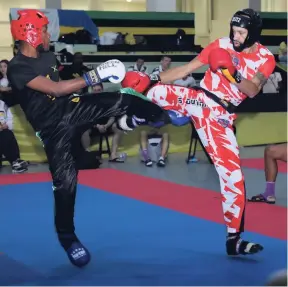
(273,84)
(165,64)
(272,154)
(6,95)
(187,82)
(108,127)
(154,147)
(283,53)
(8,144)
(138,67)
(97,88)
(4,83)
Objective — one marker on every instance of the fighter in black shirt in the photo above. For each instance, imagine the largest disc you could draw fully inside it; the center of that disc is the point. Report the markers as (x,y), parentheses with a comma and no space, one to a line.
(57,117)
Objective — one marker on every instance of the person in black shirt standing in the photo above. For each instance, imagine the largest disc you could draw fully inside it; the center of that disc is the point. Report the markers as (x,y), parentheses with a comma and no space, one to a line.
(75,70)
(58,117)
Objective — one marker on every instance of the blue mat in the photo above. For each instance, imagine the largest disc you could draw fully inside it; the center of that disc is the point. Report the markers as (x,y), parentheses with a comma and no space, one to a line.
(131,242)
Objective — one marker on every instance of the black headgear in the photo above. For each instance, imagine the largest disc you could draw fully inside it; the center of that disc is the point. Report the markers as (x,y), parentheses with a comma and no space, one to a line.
(250,20)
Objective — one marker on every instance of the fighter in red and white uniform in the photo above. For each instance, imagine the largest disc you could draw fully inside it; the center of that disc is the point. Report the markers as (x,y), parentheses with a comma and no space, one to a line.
(238,68)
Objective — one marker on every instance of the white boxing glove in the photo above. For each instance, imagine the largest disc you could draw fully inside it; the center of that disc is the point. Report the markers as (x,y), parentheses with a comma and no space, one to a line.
(113,70)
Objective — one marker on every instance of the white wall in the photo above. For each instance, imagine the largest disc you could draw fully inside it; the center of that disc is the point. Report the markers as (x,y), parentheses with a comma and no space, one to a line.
(104,5)
(273,5)
(5,6)
(124,6)
(5,34)
(76,4)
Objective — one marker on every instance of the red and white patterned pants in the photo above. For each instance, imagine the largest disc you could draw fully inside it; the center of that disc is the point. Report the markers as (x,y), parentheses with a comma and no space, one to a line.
(214,126)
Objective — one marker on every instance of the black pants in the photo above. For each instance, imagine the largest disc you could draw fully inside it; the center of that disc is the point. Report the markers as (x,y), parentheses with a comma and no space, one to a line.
(9,146)
(58,142)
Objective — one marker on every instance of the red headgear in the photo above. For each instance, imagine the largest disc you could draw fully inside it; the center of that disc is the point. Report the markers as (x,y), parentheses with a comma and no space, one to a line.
(137,81)
(28,27)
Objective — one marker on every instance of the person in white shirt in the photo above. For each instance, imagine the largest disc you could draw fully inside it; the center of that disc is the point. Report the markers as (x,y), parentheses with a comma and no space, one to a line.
(8,144)
(138,66)
(165,64)
(272,84)
(187,82)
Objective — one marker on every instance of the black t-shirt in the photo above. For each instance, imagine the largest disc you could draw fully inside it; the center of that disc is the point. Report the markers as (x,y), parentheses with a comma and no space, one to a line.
(41,110)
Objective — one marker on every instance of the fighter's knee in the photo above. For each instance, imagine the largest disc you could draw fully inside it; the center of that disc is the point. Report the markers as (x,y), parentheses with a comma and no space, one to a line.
(66,181)
(271,151)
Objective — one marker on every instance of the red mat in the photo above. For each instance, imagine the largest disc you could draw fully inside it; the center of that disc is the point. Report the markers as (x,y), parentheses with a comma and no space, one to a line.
(258,163)
(269,220)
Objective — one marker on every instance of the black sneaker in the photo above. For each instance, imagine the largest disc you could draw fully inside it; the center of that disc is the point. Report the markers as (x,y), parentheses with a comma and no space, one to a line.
(237,246)
(19,166)
(161,162)
(148,162)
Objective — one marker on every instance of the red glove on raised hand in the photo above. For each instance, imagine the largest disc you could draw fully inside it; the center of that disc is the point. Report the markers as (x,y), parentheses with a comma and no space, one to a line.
(137,81)
(220,59)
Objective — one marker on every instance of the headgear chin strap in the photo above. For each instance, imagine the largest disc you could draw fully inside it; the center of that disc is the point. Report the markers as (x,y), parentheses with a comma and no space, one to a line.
(28,27)
(250,20)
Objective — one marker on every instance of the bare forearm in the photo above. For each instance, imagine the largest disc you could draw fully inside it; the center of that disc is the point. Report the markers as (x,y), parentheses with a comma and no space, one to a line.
(248,88)
(180,72)
(68,87)
(173,74)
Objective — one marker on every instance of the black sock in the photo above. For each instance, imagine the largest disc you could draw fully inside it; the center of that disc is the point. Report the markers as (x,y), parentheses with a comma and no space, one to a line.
(66,240)
(233,235)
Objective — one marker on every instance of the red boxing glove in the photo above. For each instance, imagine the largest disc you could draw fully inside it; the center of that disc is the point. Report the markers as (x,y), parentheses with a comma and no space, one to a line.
(220,59)
(137,81)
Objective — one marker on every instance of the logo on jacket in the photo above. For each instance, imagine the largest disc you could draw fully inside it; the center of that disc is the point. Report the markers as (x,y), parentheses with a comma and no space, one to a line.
(235,61)
(224,123)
